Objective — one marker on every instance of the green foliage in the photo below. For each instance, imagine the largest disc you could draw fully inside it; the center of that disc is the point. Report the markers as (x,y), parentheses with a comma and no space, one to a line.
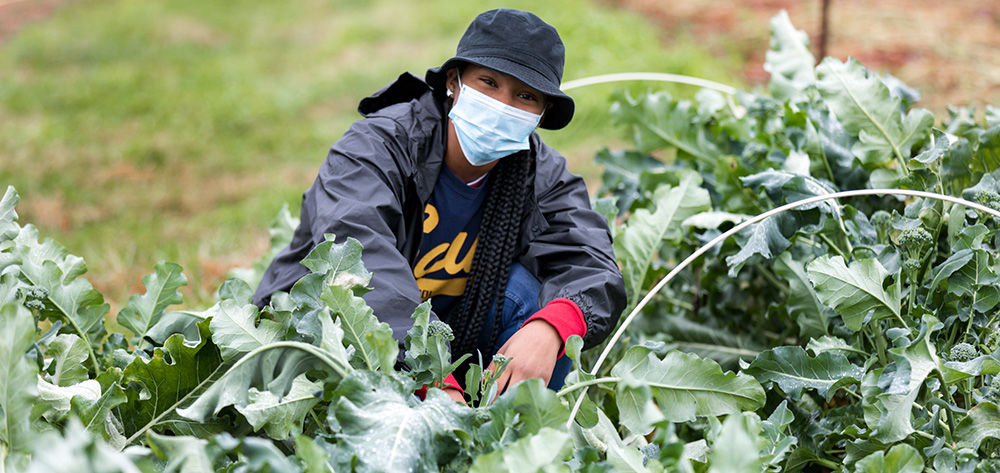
(683,386)
(62,294)
(982,422)
(17,380)
(646,231)
(856,291)
(281,417)
(899,459)
(874,287)
(541,452)
(173,376)
(144,311)
(867,109)
(427,353)
(793,370)
(382,426)
(829,319)
(789,60)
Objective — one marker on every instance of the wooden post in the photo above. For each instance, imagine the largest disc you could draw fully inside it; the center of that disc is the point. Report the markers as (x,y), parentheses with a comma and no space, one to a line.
(824,29)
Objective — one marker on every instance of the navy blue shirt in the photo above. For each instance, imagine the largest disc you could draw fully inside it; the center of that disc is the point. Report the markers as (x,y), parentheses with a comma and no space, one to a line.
(451,230)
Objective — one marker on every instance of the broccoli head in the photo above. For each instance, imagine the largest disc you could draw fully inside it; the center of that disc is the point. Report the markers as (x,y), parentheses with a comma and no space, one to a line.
(34,304)
(988,198)
(482,416)
(993,339)
(963,352)
(34,297)
(500,359)
(993,393)
(881,219)
(438,328)
(649,452)
(911,266)
(915,240)
(34,293)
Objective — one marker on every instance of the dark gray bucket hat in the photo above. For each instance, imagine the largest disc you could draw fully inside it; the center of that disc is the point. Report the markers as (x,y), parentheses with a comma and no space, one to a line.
(520,44)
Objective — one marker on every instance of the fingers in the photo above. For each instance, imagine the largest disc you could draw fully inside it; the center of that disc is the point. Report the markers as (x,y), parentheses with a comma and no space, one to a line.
(521,373)
(456,395)
(505,379)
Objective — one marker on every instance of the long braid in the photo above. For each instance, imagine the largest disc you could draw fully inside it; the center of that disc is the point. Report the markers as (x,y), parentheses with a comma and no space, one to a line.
(502,216)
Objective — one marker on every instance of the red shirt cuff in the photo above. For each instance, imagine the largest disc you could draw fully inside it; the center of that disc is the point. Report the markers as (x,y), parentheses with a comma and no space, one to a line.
(565,317)
(449,382)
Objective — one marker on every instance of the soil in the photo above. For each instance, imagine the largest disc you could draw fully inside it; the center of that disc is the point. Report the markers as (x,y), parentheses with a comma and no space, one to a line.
(15,14)
(946,50)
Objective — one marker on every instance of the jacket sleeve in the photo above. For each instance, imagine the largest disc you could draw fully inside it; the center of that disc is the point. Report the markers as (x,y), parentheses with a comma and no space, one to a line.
(571,251)
(358,193)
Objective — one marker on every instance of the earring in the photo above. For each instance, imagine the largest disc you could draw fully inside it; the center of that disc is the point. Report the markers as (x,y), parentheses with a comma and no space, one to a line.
(449,93)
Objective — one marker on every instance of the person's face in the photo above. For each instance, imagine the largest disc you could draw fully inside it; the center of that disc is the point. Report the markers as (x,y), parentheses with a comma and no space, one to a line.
(499,86)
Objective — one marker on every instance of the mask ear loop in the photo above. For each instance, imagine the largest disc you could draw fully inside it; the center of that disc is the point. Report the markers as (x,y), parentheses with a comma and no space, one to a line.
(459,77)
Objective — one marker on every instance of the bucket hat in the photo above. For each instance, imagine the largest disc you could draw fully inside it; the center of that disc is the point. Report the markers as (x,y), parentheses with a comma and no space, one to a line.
(519,44)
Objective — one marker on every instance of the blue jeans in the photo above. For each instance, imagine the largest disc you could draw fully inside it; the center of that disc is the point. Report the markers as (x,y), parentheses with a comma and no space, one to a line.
(521,303)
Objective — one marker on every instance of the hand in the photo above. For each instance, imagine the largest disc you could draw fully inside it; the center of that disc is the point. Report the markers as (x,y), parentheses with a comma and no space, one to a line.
(456,395)
(533,350)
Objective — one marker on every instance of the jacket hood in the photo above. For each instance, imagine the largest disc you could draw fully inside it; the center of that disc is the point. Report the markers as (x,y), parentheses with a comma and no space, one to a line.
(405,88)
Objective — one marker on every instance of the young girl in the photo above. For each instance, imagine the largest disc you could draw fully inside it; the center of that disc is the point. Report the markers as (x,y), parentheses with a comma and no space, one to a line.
(457,200)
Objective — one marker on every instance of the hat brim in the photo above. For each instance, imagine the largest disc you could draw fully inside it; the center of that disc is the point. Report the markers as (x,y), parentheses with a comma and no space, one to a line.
(555,117)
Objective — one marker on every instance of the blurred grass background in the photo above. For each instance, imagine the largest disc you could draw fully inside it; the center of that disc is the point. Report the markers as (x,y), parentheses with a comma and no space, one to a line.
(176,130)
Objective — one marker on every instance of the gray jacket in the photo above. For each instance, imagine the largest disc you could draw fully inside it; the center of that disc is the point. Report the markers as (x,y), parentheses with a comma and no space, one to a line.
(375,184)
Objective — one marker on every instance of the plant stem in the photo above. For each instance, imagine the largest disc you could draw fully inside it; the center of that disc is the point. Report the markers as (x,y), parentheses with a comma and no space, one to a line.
(679,303)
(847,236)
(568,389)
(314,418)
(828,463)
(771,278)
(880,346)
(834,246)
(993,319)
(860,398)
(972,314)
(945,389)
(852,393)
(826,164)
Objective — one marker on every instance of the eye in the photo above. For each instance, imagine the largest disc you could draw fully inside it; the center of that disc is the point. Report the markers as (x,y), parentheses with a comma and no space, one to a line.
(528,97)
(488,81)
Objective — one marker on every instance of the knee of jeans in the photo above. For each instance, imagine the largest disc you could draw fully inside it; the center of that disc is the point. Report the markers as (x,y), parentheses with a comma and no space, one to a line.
(562,368)
(521,295)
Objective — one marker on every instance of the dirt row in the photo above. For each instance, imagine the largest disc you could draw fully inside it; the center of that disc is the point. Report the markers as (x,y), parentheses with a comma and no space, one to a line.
(947,50)
(15,14)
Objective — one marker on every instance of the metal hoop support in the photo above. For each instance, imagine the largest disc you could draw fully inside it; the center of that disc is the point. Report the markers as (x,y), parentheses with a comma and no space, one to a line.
(649,76)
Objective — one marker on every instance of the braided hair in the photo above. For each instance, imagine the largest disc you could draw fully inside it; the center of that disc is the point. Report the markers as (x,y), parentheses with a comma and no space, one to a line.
(503,212)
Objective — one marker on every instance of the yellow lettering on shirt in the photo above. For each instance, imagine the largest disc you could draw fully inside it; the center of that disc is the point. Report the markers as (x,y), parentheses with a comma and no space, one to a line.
(430,218)
(451,265)
(421,268)
(445,256)
(447,287)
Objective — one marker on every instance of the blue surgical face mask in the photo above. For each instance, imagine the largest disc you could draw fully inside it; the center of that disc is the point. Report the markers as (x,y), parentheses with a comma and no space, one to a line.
(489,129)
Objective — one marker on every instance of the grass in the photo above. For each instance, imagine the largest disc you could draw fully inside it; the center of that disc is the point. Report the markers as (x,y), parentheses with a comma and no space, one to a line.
(175,130)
